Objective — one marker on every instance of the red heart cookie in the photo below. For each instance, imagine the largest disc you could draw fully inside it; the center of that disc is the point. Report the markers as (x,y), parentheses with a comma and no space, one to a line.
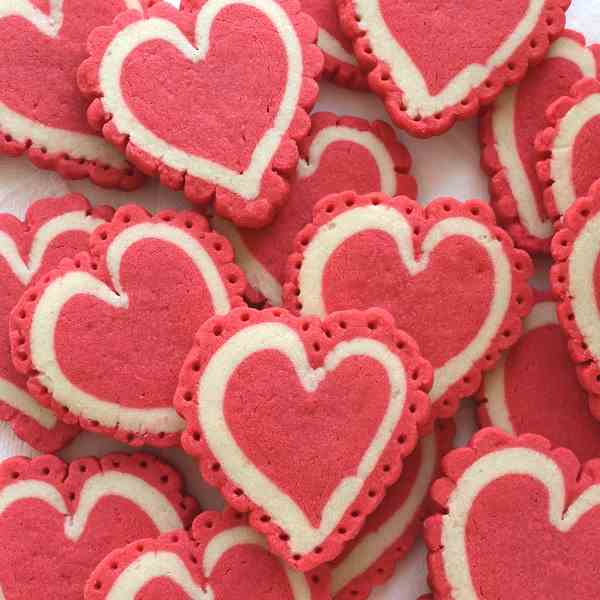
(103,337)
(517,520)
(341,65)
(340,153)
(434,62)
(54,228)
(221,559)
(508,132)
(447,265)
(303,422)
(241,74)
(571,144)
(576,282)
(57,520)
(389,533)
(42,113)
(534,388)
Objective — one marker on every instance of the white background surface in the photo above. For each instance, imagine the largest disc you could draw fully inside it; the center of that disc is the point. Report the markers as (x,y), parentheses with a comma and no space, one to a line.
(444,166)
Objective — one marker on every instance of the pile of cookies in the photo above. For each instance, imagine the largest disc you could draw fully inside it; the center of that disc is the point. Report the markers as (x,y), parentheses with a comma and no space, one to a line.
(306,331)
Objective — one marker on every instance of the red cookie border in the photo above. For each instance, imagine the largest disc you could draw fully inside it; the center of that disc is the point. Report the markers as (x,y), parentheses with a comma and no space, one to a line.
(588,367)
(544,142)
(251,214)
(374,323)
(205,527)
(550,24)
(382,570)
(422,219)
(502,198)
(68,477)
(20,321)
(577,476)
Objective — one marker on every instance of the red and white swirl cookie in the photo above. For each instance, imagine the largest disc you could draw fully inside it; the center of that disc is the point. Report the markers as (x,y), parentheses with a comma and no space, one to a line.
(302,422)
(54,229)
(450,277)
(389,533)
(211,100)
(517,519)
(534,387)
(436,62)
(571,145)
(103,337)
(42,113)
(508,133)
(340,63)
(58,520)
(340,153)
(222,558)
(576,282)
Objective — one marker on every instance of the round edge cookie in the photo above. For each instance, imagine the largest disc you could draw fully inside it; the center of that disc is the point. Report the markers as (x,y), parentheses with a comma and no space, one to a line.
(188,558)
(421,219)
(318,339)
(530,52)
(470,463)
(200,189)
(92,264)
(508,203)
(558,193)
(575,250)
(372,557)
(23,245)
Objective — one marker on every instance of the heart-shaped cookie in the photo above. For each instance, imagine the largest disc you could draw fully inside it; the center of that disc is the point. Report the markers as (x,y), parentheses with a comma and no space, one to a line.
(517,519)
(102,338)
(448,266)
(222,558)
(436,62)
(508,131)
(235,75)
(340,153)
(303,422)
(54,228)
(389,533)
(576,282)
(534,388)
(571,144)
(42,113)
(58,521)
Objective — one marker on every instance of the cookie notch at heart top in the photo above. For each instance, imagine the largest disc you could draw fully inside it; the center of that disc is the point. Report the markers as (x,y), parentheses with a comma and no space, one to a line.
(348,230)
(501,498)
(221,557)
(147,284)
(244,173)
(42,114)
(316,358)
(402,83)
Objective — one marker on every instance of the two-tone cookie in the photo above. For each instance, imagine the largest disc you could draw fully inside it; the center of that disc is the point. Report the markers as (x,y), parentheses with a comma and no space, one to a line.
(534,388)
(53,229)
(212,99)
(517,519)
(340,153)
(221,558)
(58,520)
(102,338)
(433,63)
(42,113)
(508,132)
(389,533)
(571,158)
(450,277)
(576,283)
(301,422)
